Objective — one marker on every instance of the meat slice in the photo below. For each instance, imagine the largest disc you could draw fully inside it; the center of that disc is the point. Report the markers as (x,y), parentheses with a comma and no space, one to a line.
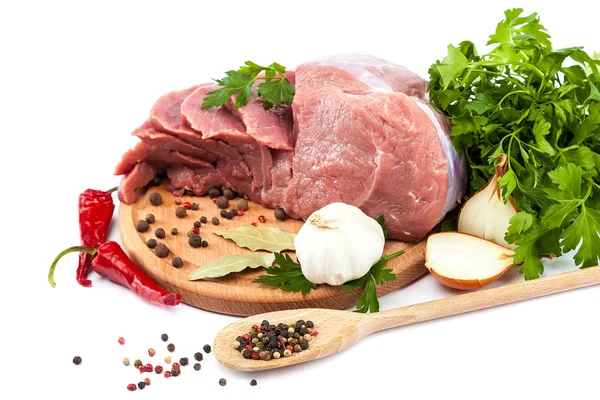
(200,180)
(281,175)
(138,177)
(362,141)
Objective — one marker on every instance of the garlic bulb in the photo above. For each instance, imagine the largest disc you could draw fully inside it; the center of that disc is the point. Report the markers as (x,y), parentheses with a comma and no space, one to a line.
(337,244)
(485,215)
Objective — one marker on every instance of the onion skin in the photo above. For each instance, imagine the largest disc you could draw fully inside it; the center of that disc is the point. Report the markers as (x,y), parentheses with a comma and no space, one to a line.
(467,284)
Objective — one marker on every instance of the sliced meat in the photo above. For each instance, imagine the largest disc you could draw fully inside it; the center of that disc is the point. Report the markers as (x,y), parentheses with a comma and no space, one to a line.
(138,177)
(281,174)
(200,180)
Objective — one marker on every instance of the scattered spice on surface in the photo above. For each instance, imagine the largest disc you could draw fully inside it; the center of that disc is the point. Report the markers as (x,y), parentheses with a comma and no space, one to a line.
(164,337)
(262,219)
(162,250)
(223,213)
(253,224)
(168,358)
(234,211)
(187,205)
(156,181)
(228,215)
(167,374)
(158,369)
(222,382)
(137,363)
(142,369)
(177,262)
(197,366)
(190,193)
(215,221)
(149,367)
(242,204)
(171,348)
(142,226)
(175,371)
(203,220)
(76,360)
(160,233)
(196,231)
(151,243)
(141,385)
(126,361)
(204,243)
(195,206)
(198,356)
(197,224)
(189,233)
(176,365)
(121,341)
(151,352)
(155,199)
(147,381)
(214,199)
(253,382)
(230,194)
(280,214)
(240,213)
(206,348)
(214,192)
(178,201)
(183,361)
(222,202)
(195,241)
(174,231)
(131,387)
(150,218)
(180,212)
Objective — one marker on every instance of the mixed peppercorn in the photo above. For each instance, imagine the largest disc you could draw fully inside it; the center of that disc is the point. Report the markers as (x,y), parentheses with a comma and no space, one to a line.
(266,342)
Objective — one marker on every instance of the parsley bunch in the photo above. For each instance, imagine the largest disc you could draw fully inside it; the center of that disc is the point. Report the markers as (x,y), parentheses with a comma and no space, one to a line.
(541,107)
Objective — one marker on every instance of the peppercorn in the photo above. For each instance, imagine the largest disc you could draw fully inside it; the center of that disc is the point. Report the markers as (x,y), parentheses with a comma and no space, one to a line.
(253,382)
(151,243)
(164,337)
(247,354)
(195,206)
(309,324)
(168,358)
(155,199)
(276,355)
(214,192)
(76,360)
(151,352)
(175,371)
(160,233)
(149,367)
(263,355)
(307,337)
(176,365)
(255,355)
(228,215)
(204,243)
(183,361)
(162,250)
(199,357)
(147,381)
(197,224)
(142,369)
(137,363)
(215,221)
(171,348)
(287,353)
(303,344)
(178,201)
(141,385)
(280,214)
(158,369)
(223,214)
(242,204)
(126,361)
(131,387)
(188,192)
(195,241)
(233,212)
(203,220)
(177,262)
(187,205)
(180,212)
(206,348)
(150,218)
(142,226)
(156,181)
(222,202)
(167,374)
(190,233)
(222,382)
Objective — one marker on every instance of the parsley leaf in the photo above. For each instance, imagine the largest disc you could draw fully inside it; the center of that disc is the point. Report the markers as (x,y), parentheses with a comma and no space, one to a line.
(288,276)
(541,107)
(381,221)
(275,89)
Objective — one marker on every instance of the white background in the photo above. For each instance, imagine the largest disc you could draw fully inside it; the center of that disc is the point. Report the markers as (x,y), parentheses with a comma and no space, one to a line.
(76,78)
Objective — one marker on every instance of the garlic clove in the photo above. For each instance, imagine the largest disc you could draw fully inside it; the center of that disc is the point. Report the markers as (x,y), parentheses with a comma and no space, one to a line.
(485,214)
(462,261)
(337,244)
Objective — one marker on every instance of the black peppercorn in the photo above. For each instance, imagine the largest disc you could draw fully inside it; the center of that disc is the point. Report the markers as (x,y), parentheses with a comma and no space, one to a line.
(253,382)
(198,356)
(174,231)
(151,243)
(197,224)
(242,204)
(195,241)
(142,226)
(309,324)
(303,344)
(177,262)
(215,221)
(156,181)
(183,361)
(188,192)
(141,384)
(162,250)
(206,348)
(160,233)
(197,366)
(171,347)
(280,214)
(222,382)
(234,212)
(223,214)
(150,218)
(222,202)
(247,354)
(175,371)
(203,219)
(76,360)
(214,192)
(228,215)
(230,194)
(204,243)
(164,337)
(195,206)
(155,199)
(180,212)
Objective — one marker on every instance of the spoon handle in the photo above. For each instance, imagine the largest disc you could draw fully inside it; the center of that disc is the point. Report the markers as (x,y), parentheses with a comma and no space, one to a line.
(479,300)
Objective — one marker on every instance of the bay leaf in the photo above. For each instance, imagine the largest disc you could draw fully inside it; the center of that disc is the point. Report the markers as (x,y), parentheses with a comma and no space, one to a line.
(260,238)
(228,264)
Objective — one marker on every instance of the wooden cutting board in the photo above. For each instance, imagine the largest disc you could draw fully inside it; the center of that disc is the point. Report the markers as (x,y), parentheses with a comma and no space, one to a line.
(235,294)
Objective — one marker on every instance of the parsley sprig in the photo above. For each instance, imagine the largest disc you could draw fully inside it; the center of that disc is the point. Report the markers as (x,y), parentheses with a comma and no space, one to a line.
(288,276)
(274,90)
(541,107)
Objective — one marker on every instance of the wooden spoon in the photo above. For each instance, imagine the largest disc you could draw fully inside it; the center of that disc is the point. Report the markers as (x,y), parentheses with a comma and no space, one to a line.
(339,330)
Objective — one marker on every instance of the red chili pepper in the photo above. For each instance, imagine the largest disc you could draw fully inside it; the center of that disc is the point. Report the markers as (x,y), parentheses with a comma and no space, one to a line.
(95,213)
(109,260)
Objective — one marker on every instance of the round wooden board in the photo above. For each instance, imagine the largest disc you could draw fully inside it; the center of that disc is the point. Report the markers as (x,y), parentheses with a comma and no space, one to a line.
(235,294)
